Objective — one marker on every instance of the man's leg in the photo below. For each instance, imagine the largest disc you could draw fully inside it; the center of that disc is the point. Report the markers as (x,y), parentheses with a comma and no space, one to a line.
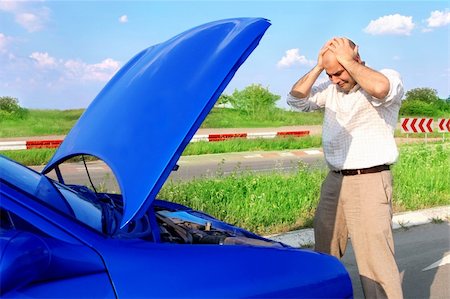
(368,212)
(330,231)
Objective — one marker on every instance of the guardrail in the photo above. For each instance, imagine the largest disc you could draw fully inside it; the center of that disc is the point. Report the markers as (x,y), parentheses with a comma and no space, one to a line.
(22,145)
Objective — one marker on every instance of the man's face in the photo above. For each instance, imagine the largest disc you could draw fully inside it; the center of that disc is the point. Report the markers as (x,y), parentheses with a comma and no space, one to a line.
(336,72)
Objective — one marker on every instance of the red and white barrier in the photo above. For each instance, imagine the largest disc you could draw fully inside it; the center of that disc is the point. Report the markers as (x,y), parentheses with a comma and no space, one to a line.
(20,145)
(265,135)
(417,125)
(13,145)
(444,125)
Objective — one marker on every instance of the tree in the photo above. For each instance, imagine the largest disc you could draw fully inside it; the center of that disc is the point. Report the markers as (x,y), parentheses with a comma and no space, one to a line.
(223,100)
(424,102)
(10,108)
(254,99)
(427,95)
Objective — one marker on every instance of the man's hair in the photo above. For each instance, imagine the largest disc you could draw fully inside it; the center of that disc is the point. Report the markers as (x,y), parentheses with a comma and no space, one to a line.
(353,46)
(352,43)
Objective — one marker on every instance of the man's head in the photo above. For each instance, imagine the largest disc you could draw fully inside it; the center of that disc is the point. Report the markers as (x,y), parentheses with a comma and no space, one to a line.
(336,72)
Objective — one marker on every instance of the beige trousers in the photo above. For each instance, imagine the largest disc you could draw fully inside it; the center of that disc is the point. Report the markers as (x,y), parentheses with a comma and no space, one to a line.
(360,206)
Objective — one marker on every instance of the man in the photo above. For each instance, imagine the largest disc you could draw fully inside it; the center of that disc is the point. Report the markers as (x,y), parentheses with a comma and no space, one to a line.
(361,112)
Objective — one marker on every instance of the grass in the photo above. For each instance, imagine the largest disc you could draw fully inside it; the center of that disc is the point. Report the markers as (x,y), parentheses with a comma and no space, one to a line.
(38,156)
(40,123)
(275,202)
(422,176)
(263,203)
(30,157)
(435,134)
(232,118)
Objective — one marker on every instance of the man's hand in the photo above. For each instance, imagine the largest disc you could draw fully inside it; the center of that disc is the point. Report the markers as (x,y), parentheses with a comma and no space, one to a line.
(344,53)
(302,87)
(321,52)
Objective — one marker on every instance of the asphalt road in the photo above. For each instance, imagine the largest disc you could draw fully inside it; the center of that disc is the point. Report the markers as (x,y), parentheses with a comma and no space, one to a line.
(191,167)
(423,257)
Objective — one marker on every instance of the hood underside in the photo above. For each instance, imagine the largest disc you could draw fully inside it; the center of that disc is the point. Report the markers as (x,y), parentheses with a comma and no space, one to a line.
(145,116)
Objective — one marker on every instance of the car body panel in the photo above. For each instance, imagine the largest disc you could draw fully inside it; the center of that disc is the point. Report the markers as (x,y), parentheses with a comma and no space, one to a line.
(96,285)
(145,116)
(208,271)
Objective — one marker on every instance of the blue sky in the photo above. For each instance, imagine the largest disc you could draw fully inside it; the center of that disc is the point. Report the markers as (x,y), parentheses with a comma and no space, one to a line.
(59,54)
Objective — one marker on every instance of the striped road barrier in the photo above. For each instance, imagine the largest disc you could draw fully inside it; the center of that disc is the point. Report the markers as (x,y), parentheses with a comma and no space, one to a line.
(22,145)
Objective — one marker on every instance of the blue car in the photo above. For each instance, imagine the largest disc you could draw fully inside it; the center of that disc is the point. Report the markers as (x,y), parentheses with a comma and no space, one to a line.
(61,240)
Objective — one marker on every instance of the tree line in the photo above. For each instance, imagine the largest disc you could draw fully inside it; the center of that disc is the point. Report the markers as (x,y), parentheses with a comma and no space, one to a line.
(255,100)
(422,101)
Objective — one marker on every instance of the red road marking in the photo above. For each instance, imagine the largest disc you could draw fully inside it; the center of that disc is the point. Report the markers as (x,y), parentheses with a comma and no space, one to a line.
(404,124)
(413,125)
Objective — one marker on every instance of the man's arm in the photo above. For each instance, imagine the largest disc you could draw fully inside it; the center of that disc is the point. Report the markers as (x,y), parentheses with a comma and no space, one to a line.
(374,83)
(302,87)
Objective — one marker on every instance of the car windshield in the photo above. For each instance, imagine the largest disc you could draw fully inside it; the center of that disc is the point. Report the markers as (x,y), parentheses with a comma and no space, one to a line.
(83,209)
(57,195)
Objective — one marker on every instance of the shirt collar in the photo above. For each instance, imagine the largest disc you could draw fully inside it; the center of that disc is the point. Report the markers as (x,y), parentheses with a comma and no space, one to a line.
(355,88)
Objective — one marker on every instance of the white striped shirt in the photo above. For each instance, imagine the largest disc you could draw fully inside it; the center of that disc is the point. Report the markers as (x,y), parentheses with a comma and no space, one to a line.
(358,130)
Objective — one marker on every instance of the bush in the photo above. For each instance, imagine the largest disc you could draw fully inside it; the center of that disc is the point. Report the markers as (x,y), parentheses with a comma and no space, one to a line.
(254,100)
(418,108)
(424,102)
(10,109)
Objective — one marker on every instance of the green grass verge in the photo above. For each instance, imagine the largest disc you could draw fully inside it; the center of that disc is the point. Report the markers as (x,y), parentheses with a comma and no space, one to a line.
(262,203)
(274,202)
(232,118)
(422,176)
(30,157)
(40,123)
(436,134)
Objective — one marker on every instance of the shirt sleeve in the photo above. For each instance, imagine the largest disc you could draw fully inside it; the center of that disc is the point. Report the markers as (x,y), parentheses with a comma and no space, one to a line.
(395,89)
(316,100)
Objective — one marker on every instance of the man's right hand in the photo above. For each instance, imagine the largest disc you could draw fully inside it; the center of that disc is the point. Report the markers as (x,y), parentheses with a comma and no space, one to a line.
(321,52)
(302,87)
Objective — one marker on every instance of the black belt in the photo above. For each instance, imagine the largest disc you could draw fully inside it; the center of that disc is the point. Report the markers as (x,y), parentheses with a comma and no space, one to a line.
(374,169)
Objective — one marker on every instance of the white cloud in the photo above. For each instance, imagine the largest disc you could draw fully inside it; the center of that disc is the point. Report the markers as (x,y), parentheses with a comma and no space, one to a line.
(438,19)
(391,24)
(292,57)
(74,70)
(27,14)
(103,71)
(123,19)
(29,21)
(43,59)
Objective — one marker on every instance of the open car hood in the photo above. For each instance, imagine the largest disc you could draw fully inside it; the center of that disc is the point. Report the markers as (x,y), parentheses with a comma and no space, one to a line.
(145,116)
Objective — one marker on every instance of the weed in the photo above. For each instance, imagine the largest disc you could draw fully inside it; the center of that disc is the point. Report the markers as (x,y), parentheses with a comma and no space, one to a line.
(404,224)
(437,220)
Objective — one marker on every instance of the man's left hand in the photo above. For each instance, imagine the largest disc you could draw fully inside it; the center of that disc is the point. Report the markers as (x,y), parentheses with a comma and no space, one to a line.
(340,46)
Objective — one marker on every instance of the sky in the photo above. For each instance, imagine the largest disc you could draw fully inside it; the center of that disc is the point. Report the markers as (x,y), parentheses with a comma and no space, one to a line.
(60,54)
